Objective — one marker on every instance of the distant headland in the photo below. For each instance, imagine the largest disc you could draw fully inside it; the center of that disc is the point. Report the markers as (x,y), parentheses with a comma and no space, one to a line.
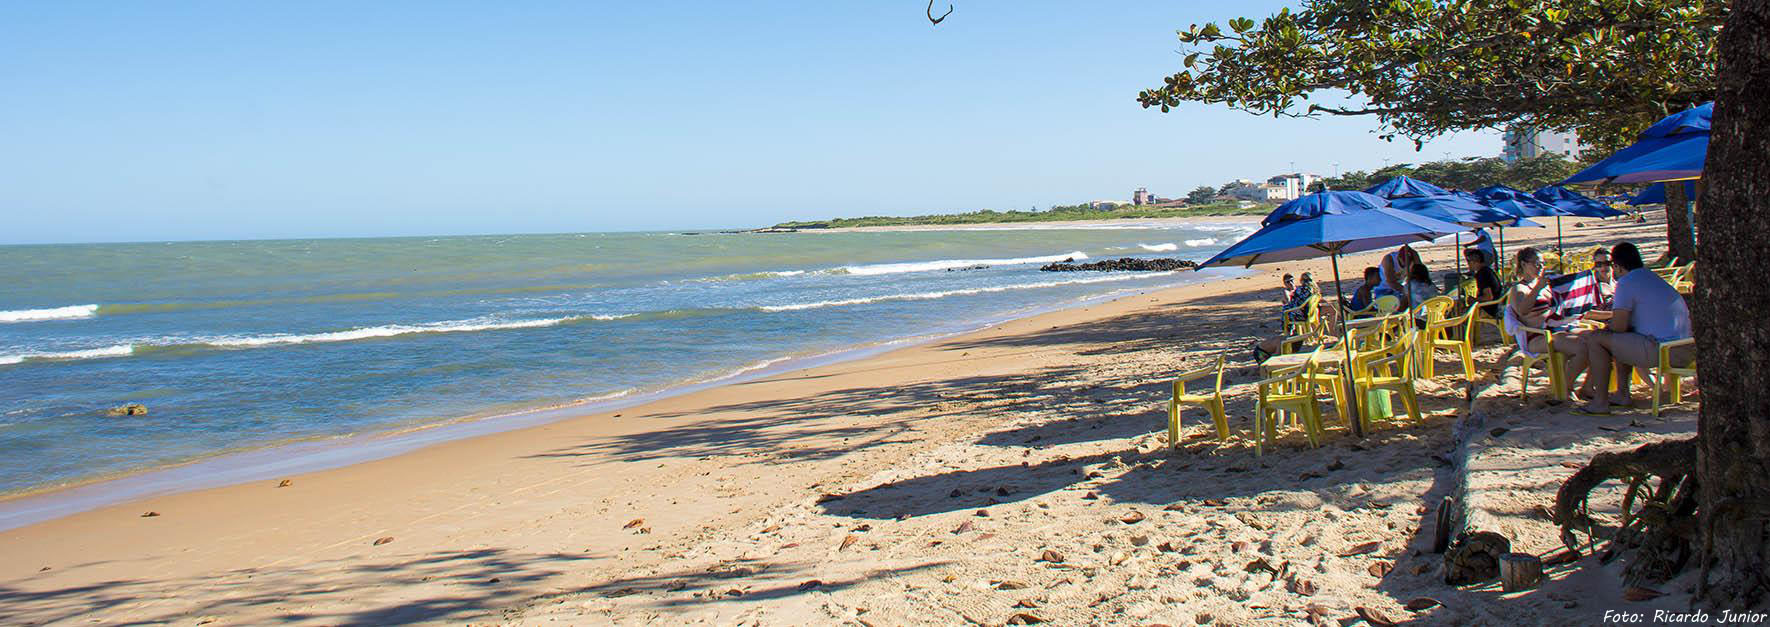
(1084,212)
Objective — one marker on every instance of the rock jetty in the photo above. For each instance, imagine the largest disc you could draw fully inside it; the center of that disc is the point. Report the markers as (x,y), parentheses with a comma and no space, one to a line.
(1122,264)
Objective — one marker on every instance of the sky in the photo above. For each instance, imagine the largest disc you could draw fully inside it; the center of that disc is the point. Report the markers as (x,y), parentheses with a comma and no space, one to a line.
(226,120)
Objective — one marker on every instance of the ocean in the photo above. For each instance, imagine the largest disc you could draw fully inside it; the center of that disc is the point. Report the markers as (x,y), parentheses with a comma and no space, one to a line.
(240,345)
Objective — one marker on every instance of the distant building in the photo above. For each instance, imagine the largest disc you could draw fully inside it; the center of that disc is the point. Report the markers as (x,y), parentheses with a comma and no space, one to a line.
(1279,188)
(1140,197)
(1525,143)
(1104,205)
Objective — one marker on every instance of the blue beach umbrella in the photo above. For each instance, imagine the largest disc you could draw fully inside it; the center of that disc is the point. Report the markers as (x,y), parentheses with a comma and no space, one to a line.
(1515,203)
(1673,149)
(1655,194)
(1324,203)
(1331,224)
(1658,159)
(1574,204)
(1406,187)
(1460,209)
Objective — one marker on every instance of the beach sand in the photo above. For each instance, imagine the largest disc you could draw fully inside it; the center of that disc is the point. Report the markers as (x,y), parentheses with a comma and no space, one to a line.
(1019,470)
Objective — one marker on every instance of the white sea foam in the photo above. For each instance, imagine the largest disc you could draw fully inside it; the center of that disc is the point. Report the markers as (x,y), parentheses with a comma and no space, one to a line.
(1161,248)
(946,264)
(607,397)
(963,292)
(748,368)
(56,313)
(119,350)
(280,339)
(391,330)
(1205,241)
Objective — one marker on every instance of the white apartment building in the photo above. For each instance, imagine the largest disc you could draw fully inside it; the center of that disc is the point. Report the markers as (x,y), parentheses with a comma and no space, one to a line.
(1523,143)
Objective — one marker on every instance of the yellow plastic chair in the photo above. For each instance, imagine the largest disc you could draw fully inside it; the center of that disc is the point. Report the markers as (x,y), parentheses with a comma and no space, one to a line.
(1287,392)
(1211,401)
(1438,336)
(1684,279)
(1554,362)
(1380,306)
(1669,376)
(1311,322)
(1320,378)
(1295,343)
(1368,333)
(1478,316)
(1388,369)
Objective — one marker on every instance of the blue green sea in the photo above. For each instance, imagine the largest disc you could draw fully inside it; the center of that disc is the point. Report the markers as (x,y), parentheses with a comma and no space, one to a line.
(238,345)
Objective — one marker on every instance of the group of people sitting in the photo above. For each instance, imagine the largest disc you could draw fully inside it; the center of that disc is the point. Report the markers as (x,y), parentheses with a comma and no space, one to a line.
(1634,311)
(1629,311)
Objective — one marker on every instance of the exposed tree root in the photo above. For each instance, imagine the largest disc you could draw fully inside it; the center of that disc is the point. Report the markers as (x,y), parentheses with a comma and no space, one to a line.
(1659,507)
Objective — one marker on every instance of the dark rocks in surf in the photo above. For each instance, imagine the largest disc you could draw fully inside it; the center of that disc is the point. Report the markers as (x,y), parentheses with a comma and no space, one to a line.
(132,409)
(1123,264)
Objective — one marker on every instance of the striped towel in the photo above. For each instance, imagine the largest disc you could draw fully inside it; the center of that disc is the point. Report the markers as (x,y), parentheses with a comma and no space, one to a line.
(1574,293)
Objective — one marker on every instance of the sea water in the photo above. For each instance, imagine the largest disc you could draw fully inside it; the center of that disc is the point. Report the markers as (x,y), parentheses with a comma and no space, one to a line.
(238,345)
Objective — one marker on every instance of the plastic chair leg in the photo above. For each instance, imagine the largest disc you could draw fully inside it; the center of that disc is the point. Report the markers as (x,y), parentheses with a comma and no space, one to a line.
(1412,403)
(1173,424)
(1656,392)
(1220,415)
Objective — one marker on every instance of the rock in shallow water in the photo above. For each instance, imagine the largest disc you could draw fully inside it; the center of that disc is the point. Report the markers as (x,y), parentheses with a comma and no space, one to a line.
(132,409)
(1122,264)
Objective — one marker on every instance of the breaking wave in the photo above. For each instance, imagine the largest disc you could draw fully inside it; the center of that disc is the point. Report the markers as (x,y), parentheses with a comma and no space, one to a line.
(56,313)
(946,293)
(285,339)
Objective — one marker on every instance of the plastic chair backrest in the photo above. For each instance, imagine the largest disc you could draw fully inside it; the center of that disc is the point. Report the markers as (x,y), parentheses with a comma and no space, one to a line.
(1436,307)
(1386,304)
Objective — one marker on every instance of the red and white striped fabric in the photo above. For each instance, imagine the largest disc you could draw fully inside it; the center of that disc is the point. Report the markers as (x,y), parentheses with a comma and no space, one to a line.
(1575,294)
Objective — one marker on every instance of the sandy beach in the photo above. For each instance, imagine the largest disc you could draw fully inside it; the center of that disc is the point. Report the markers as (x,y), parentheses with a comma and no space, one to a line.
(1016,474)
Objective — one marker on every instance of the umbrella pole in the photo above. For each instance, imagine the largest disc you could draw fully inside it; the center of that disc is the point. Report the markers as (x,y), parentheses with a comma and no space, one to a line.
(1558,252)
(1501,262)
(1357,417)
(1458,253)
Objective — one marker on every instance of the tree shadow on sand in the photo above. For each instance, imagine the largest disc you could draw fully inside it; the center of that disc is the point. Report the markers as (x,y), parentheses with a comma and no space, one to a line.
(450,585)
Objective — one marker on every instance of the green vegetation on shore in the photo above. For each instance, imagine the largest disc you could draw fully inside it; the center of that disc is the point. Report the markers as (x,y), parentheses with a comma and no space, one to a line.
(1073,212)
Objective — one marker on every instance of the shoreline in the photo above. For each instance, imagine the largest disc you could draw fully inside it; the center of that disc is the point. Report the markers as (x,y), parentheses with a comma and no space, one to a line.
(907,487)
(258,462)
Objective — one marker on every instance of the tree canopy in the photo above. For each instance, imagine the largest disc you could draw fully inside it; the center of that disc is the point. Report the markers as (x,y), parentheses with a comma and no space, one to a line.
(1606,68)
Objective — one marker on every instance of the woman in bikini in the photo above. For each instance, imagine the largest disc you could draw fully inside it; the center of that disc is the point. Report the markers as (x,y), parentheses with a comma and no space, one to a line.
(1530,302)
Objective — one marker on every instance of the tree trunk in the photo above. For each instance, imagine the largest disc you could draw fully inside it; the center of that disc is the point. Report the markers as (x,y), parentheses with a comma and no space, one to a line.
(1680,242)
(1729,310)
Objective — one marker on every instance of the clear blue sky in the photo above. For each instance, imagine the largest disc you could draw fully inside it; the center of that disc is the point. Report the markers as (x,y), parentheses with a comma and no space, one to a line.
(159,120)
